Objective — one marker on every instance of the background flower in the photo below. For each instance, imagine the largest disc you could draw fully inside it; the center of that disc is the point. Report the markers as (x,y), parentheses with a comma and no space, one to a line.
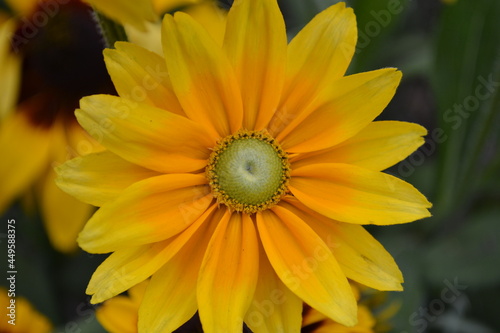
(48,68)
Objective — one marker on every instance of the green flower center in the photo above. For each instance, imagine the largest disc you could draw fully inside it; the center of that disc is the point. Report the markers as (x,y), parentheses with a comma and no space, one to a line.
(248,171)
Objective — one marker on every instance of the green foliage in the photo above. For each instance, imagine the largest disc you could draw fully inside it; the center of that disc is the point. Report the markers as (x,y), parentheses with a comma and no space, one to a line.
(466,77)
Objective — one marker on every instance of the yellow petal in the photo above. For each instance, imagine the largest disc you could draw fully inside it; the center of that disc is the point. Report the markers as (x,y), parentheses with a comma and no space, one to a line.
(27,320)
(100,177)
(164,6)
(118,315)
(319,54)
(24,149)
(150,39)
(170,299)
(228,274)
(127,11)
(256,45)
(274,308)
(211,16)
(10,67)
(136,293)
(63,215)
(141,134)
(361,257)
(149,211)
(378,146)
(341,110)
(79,142)
(22,7)
(201,75)
(141,76)
(130,265)
(348,193)
(306,265)
(364,259)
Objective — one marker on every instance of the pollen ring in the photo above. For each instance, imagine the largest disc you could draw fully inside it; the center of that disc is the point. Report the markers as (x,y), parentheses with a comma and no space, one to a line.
(248,171)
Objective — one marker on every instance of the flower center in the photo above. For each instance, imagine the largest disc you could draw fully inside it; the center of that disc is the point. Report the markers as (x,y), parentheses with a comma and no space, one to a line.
(248,171)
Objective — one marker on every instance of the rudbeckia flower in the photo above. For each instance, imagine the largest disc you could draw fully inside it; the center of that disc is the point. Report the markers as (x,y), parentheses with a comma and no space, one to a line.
(239,177)
(20,316)
(47,69)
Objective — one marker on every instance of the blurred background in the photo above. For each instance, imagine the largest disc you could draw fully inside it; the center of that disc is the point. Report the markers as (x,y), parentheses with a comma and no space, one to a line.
(449,53)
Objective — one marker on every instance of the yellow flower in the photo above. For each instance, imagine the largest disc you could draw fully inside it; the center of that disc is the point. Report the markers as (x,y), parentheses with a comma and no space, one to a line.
(238,177)
(38,129)
(19,316)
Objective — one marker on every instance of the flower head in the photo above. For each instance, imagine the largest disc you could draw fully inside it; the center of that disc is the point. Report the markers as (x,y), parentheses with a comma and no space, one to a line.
(46,69)
(244,171)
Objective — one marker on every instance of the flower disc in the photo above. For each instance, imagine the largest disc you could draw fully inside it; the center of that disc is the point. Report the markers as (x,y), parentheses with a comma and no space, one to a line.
(248,171)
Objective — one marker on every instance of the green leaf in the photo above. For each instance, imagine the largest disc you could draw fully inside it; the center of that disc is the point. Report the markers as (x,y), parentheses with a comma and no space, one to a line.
(377,22)
(467,45)
(470,253)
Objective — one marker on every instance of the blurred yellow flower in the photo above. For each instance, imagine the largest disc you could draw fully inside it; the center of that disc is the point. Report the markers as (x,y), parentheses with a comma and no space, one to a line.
(207,13)
(119,314)
(244,171)
(132,12)
(19,316)
(61,62)
(138,15)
